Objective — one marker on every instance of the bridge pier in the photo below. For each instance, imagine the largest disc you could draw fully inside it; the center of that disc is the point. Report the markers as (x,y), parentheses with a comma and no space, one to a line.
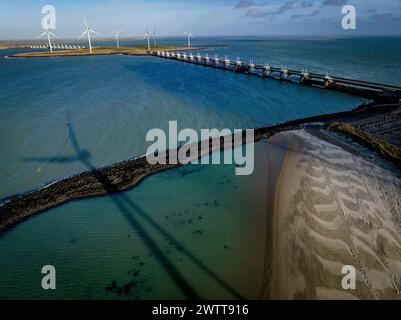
(370,90)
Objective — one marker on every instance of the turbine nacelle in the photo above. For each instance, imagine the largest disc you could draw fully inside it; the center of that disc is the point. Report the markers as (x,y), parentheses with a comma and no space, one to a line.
(116,33)
(147,37)
(88,32)
(48,33)
(189,36)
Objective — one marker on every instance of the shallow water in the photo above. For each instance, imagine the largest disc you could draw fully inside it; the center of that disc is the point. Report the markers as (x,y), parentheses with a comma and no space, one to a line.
(175,236)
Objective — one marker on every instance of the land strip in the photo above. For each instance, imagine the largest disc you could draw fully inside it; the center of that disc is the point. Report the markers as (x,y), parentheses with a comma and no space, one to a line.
(127,174)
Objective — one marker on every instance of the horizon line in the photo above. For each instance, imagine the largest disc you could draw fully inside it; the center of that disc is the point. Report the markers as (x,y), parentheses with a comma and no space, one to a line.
(288,35)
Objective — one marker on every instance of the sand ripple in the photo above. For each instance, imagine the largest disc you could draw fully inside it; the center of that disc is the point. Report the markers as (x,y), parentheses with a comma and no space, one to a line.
(335,207)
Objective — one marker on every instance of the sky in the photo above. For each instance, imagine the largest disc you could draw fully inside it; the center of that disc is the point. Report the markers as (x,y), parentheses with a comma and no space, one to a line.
(21,19)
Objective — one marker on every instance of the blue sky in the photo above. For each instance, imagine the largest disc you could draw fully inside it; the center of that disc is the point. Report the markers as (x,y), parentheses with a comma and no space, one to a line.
(21,19)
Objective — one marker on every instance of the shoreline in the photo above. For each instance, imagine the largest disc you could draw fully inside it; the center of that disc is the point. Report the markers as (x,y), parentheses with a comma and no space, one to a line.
(113,51)
(275,163)
(275,260)
(127,174)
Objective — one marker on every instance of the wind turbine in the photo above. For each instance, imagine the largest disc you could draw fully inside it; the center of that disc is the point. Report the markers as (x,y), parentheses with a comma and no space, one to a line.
(48,33)
(189,36)
(147,36)
(116,35)
(88,31)
(154,37)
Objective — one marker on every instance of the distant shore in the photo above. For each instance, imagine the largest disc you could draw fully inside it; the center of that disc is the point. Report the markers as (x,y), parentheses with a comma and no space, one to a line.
(101,51)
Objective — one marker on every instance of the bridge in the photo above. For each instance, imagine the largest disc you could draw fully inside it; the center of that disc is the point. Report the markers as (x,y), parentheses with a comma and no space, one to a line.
(366,89)
(55,46)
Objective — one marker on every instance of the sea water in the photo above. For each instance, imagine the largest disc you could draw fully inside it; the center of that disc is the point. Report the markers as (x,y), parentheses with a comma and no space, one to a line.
(187,232)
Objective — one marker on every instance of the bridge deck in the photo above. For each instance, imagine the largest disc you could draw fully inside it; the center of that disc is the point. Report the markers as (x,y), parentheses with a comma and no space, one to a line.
(359,87)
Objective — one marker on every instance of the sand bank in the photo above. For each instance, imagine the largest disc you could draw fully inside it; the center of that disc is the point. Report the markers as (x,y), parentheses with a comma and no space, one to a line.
(334,205)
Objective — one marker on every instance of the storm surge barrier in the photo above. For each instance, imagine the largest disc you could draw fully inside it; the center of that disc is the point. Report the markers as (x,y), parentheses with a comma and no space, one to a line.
(366,89)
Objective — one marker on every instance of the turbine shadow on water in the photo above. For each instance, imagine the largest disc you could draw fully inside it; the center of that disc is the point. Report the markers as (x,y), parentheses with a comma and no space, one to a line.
(130,210)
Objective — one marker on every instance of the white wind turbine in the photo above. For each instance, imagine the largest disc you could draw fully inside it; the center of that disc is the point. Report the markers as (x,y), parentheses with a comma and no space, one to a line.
(88,32)
(48,33)
(189,35)
(154,37)
(147,36)
(116,35)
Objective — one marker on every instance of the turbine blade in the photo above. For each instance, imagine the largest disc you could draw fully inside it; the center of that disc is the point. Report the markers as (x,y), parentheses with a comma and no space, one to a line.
(44,33)
(95,32)
(85,22)
(52,34)
(82,34)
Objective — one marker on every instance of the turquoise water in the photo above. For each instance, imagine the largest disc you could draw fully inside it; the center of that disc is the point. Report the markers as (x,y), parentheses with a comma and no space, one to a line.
(175,236)
(112,102)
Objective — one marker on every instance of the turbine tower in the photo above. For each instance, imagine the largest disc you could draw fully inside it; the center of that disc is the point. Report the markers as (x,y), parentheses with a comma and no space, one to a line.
(88,31)
(154,37)
(48,33)
(147,36)
(189,35)
(116,35)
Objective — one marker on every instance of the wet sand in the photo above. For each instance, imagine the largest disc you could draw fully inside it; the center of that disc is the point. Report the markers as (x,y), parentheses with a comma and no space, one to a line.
(335,205)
